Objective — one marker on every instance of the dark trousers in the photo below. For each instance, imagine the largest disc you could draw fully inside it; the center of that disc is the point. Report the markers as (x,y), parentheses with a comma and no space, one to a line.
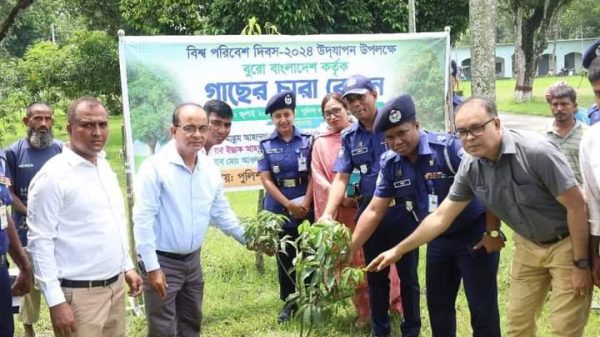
(449,261)
(388,234)
(180,314)
(286,276)
(7,326)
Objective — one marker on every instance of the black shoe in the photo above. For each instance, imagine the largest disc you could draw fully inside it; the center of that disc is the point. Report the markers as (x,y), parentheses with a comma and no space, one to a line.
(286,313)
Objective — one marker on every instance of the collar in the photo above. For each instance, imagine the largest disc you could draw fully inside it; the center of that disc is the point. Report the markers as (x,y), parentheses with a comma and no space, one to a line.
(423,149)
(172,155)
(507,146)
(550,128)
(75,160)
(295,133)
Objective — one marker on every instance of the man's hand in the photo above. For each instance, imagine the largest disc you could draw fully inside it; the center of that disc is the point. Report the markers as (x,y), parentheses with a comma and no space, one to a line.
(490,244)
(158,281)
(581,281)
(23,283)
(384,259)
(63,319)
(134,281)
(596,270)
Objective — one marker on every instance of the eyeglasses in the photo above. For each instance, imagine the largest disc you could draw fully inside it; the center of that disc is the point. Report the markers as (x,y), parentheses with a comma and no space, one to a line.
(190,129)
(337,112)
(476,130)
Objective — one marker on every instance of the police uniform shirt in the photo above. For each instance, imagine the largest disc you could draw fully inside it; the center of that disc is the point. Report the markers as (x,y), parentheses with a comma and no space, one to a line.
(521,186)
(22,162)
(423,185)
(361,149)
(5,200)
(289,164)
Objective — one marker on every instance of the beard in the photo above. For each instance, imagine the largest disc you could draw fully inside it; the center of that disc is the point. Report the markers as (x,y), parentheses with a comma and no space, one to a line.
(40,138)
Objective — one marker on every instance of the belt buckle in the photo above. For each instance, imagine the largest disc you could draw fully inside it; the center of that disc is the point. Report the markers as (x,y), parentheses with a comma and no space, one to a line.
(289,183)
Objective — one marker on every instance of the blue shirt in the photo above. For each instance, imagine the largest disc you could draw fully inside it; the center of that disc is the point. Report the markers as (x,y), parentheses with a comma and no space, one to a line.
(582,116)
(174,205)
(5,200)
(594,114)
(361,149)
(286,160)
(22,163)
(412,185)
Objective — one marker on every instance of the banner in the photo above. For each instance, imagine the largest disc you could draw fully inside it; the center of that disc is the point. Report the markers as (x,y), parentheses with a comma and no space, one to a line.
(159,72)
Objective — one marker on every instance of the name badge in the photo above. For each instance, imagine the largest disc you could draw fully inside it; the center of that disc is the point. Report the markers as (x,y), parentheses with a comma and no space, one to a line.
(433,202)
(275,150)
(402,183)
(360,150)
(302,164)
(3,218)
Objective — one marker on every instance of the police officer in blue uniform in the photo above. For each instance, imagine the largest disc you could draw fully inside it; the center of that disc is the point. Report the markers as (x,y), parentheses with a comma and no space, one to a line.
(361,149)
(284,164)
(591,61)
(416,174)
(9,243)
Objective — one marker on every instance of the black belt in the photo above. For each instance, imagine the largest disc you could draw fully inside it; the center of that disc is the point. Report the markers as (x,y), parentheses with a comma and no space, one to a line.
(88,284)
(291,182)
(552,241)
(3,260)
(174,255)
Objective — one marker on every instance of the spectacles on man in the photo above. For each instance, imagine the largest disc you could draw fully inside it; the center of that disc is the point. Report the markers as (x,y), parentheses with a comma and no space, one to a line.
(475,131)
(190,129)
(337,112)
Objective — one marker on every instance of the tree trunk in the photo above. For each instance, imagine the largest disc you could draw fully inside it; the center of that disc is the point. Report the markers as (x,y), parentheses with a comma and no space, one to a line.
(482,24)
(12,17)
(152,145)
(531,22)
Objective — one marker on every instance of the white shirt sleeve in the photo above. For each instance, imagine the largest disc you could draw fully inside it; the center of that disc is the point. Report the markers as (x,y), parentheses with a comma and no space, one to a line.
(44,204)
(590,171)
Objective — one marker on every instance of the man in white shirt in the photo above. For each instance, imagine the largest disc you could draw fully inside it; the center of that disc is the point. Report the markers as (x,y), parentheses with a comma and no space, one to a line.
(589,159)
(178,191)
(77,232)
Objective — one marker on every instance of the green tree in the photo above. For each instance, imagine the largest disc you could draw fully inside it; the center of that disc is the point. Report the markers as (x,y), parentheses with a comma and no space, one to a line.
(151,101)
(580,19)
(13,10)
(531,22)
(172,17)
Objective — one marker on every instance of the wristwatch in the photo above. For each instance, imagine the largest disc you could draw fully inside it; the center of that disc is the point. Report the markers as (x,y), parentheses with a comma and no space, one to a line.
(582,263)
(494,233)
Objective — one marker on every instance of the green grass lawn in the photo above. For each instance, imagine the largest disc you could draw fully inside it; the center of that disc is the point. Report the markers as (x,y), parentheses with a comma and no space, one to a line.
(241,302)
(537,106)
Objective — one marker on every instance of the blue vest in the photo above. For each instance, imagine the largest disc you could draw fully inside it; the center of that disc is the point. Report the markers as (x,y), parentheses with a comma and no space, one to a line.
(289,164)
(594,114)
(412,185)
(361,150)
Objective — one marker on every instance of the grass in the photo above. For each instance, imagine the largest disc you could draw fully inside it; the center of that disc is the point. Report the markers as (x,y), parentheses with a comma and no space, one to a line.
(240,302)
(537,106)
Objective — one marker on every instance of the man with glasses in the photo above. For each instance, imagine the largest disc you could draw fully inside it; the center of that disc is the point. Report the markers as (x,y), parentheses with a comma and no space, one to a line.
(178,192)
(415,177)
(526,181)
(361,149)
(220,116)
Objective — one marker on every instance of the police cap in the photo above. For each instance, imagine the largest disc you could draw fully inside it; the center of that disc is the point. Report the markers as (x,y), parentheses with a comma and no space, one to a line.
(357,84)
(396,111)
(591,53)
(282,100)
